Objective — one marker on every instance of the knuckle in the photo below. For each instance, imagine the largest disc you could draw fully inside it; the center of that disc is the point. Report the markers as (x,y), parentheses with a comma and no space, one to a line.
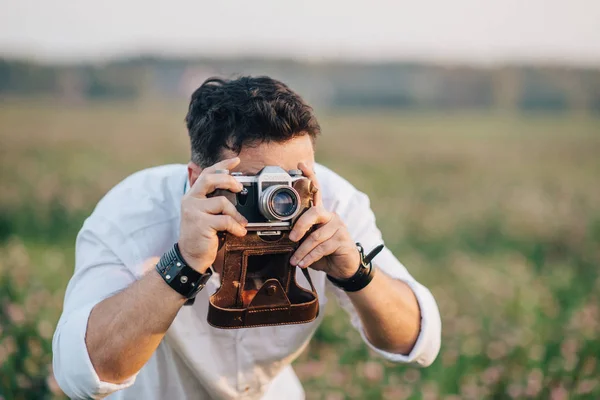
(316,236)
(209,179)
(187,211)
(230,222)
(204,181)
(223,201)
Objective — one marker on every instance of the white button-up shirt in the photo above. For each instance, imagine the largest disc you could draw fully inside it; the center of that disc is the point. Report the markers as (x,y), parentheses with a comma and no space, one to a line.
(138,220)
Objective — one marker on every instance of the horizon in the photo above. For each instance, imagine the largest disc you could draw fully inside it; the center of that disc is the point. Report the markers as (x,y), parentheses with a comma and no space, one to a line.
(267,58)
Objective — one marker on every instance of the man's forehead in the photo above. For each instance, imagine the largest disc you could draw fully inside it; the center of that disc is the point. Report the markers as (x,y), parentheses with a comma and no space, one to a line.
(253,167)
(286,155)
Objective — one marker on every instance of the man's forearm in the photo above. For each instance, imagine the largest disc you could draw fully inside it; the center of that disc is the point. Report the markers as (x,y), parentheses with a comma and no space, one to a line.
(124,330)
(389,312)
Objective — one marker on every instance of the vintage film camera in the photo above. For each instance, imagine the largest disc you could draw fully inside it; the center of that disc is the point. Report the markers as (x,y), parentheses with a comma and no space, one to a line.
(258,284)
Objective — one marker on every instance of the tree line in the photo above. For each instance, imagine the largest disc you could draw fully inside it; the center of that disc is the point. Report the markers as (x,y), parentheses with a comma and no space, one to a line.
(328,84)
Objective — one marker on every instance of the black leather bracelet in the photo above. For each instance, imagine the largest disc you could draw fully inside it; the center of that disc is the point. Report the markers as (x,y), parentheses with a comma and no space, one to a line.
(181,277)
(364,274)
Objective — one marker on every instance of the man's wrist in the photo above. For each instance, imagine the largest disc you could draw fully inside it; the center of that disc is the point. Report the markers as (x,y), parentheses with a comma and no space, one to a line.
(345,273)
(349,270)
(363,276)
(166,292)
(179,275)
(190,261)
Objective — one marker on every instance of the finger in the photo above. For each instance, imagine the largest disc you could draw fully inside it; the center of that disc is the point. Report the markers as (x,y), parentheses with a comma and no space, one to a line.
(310,174)
(229,164)
(208,183)
(314,215)
(323,250)
(324,233)
(220,205)
(226,223)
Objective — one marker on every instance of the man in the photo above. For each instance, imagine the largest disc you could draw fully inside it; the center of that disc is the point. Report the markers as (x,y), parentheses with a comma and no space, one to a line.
(124,329)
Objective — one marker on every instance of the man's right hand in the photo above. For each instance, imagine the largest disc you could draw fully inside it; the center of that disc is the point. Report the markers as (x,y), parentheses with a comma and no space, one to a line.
(202,217)
(139,314)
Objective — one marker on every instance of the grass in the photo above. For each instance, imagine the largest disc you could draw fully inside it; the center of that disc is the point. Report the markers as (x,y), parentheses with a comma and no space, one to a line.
(498,214)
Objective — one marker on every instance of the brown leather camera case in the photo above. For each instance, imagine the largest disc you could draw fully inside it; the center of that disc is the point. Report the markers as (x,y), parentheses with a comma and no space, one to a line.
(258,284)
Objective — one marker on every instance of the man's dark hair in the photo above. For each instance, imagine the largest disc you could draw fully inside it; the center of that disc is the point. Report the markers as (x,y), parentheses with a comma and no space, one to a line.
(227,114)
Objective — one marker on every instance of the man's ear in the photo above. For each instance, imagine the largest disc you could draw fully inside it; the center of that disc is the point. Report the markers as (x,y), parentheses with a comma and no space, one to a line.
(194,171)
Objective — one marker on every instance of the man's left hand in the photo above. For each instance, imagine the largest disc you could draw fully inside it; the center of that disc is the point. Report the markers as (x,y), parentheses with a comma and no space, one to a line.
(329,248)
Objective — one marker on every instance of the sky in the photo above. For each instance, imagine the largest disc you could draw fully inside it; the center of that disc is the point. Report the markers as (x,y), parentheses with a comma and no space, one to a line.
(458,31)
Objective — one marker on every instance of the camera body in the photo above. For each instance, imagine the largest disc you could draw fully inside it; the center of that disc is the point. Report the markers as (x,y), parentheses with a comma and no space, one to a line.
(270,200)
(258,283)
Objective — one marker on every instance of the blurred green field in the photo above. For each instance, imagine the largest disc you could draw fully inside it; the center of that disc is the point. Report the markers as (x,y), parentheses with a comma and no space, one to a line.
(499,215)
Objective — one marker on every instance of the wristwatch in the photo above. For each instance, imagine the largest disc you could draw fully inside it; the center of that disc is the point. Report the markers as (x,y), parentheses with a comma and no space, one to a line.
(181,277)
(364,274)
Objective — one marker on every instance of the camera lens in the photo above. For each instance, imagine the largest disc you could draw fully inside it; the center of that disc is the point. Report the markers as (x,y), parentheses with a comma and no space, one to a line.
(283,203)
(279,202)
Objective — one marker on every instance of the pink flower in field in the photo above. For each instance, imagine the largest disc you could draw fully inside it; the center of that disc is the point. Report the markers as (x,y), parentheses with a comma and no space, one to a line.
(7,348)
(23,381)
(535,382)
(338,378)
(568,347)
(35,348)
(469,389)
(449,357)
(515,391)
(491,375)
(412,375)
(496,350)
(15,313)
(429,391)
(45,329)
(559,393)
(569,350)
(452,397)
(586,386)
(399,392)
(311,369)
(335,396)
(372,371)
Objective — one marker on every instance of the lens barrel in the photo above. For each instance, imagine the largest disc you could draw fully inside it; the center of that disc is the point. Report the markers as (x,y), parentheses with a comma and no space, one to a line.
(279,202)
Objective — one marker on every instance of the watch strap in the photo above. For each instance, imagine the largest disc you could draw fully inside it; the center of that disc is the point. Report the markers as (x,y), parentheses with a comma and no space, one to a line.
(179,276)
(364,274)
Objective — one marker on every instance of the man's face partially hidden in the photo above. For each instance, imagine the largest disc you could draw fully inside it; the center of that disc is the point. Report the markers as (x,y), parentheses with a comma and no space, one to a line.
(286,155)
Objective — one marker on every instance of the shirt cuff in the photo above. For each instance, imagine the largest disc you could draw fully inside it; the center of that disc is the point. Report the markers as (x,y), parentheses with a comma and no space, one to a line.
(427,346)
(72,366)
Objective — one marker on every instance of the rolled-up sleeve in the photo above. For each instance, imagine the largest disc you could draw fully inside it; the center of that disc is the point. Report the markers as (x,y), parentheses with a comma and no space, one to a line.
(360,220)
(99,273)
